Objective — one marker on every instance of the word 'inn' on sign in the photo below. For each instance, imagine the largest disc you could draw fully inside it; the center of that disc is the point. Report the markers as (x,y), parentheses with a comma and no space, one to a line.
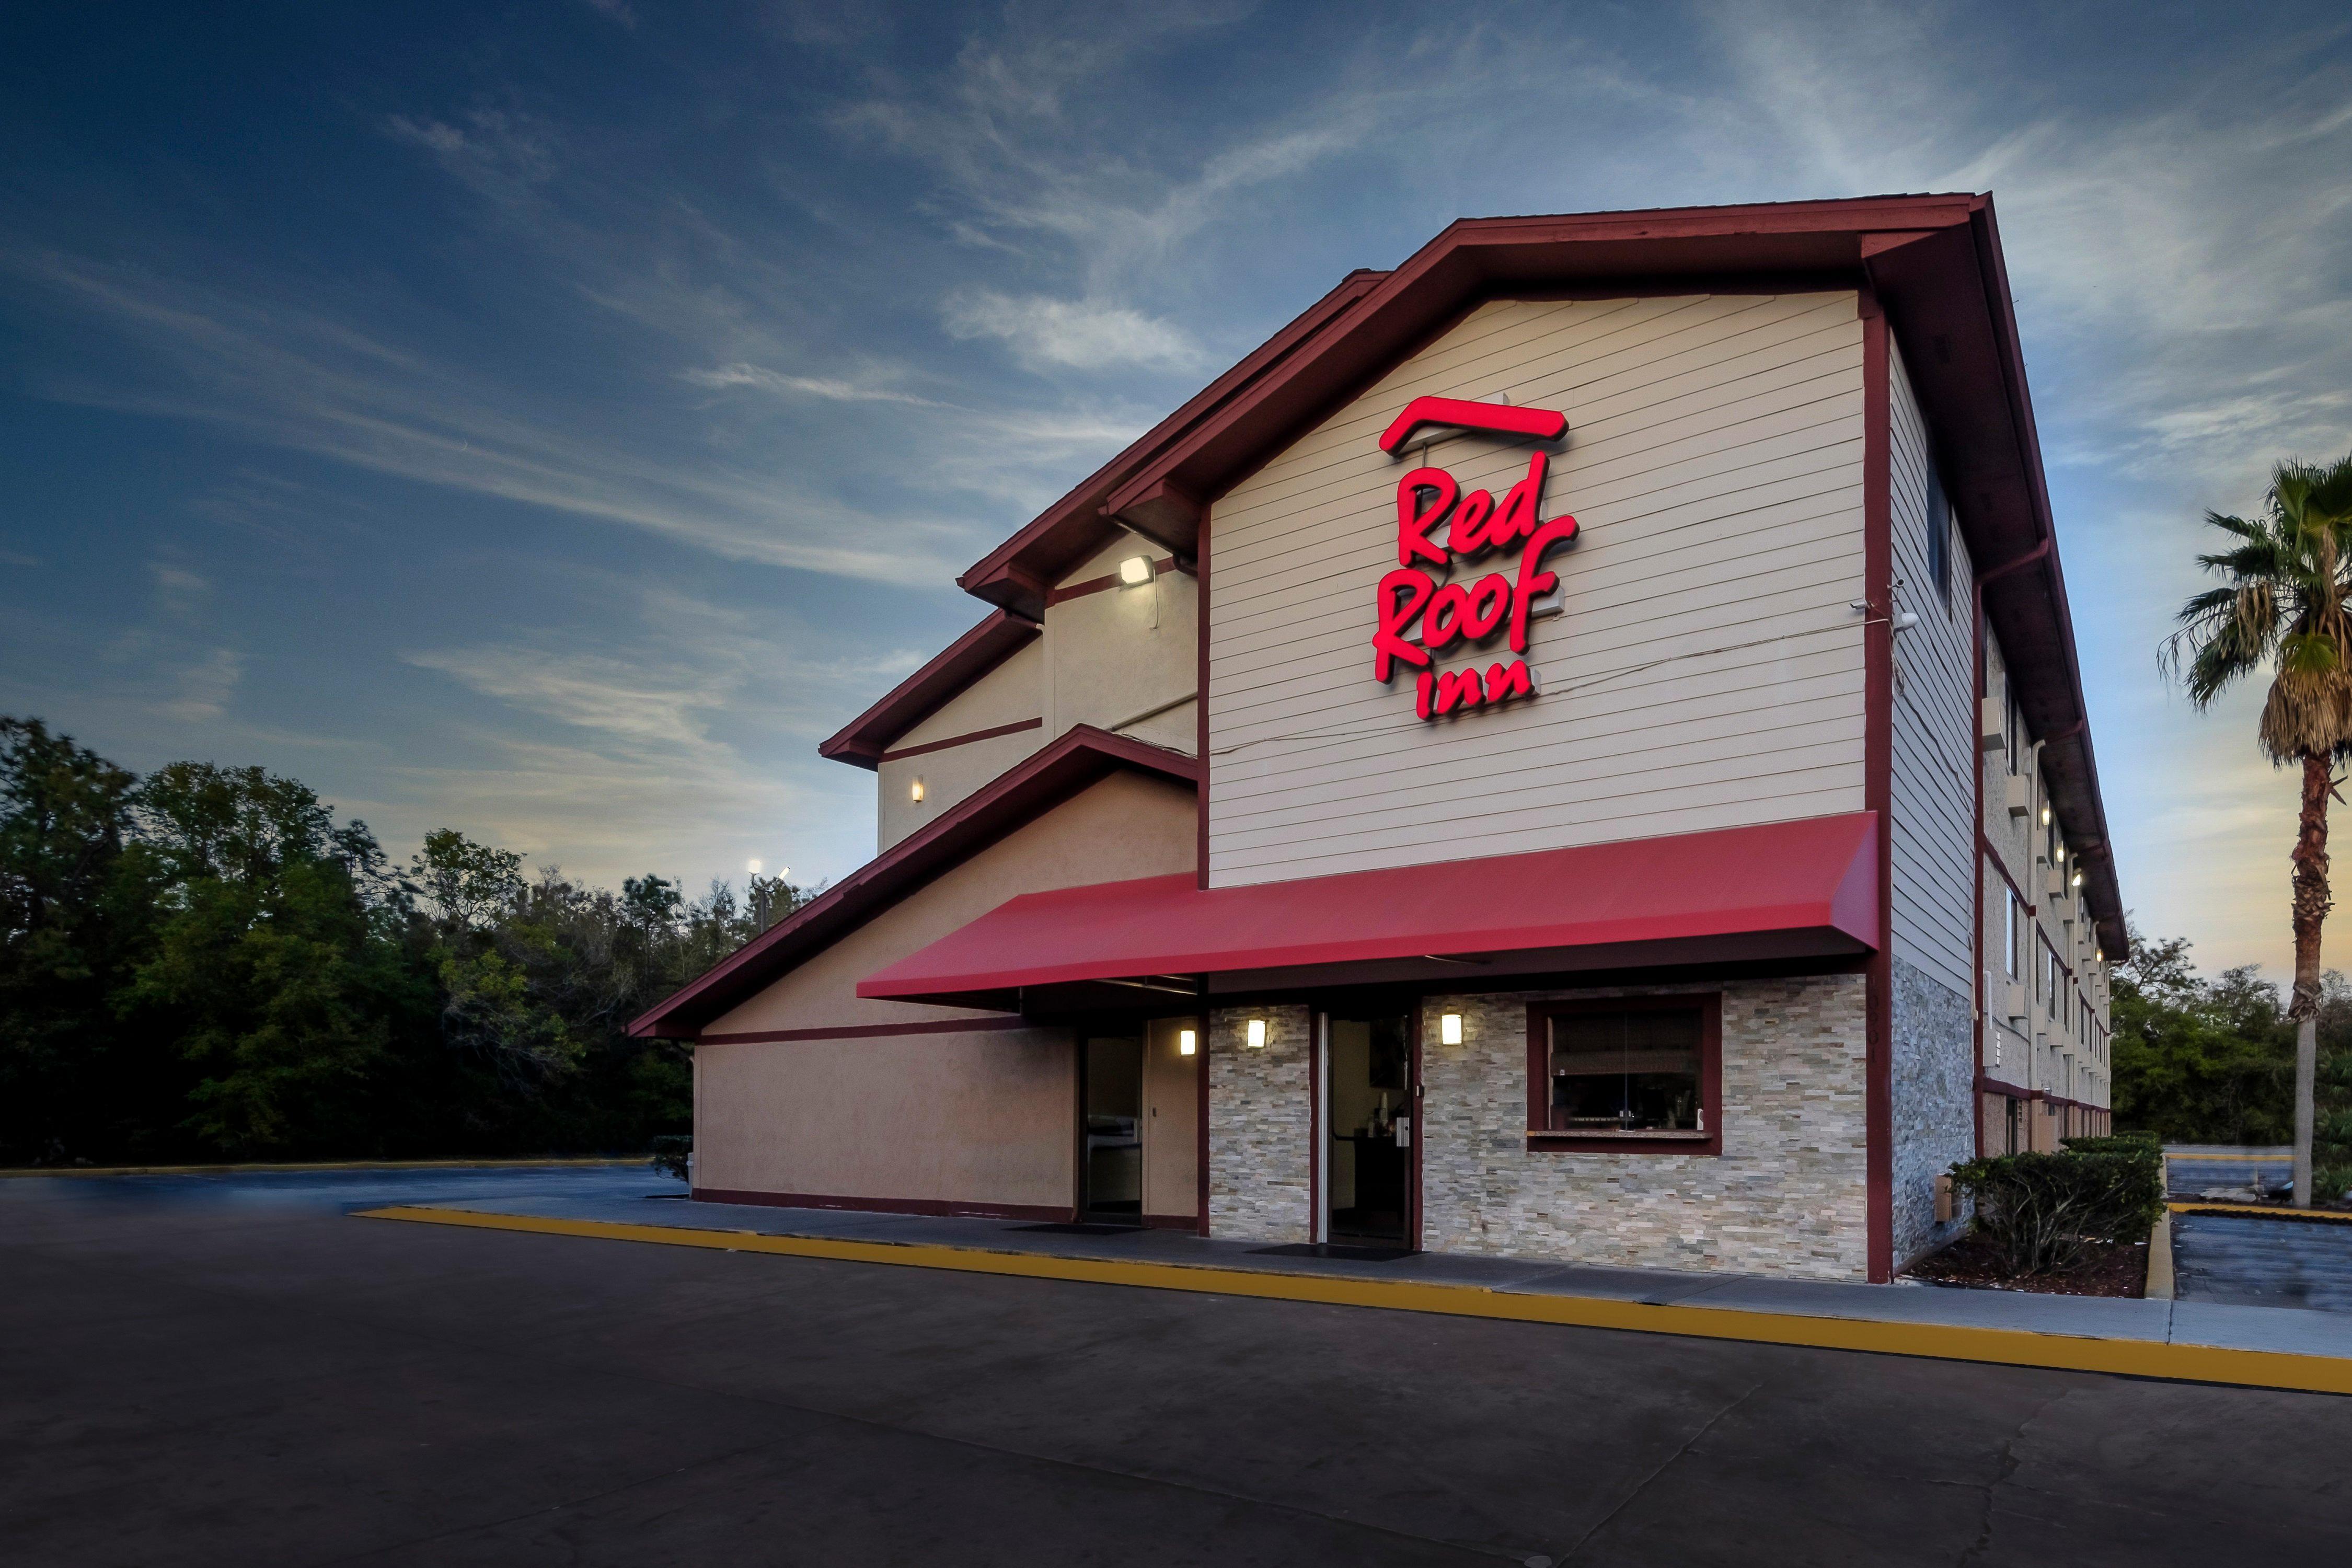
(1495,604)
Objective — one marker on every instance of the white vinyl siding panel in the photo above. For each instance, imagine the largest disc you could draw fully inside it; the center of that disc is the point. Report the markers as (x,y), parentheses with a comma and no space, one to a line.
(1933,826)
(1705,670)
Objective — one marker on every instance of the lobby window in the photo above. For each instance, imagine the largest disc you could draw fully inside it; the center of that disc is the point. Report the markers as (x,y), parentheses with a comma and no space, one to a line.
(1635,1072)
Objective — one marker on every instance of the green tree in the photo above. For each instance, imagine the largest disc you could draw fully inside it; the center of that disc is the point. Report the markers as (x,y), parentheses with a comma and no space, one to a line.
(71,927)
(275,967)
(2198,1061)
(2283,608)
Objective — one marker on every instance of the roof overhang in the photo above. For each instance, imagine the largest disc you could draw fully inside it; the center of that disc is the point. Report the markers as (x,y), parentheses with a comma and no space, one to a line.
(1077,759)
(863,739)
(1781,890)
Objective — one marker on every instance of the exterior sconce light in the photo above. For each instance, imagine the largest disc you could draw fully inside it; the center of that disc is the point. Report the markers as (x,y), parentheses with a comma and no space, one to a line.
(1135,570)
(914,789)
(1186,1042)
(2077,881)
(2045,816)
(1256,1035)
(1449,1028)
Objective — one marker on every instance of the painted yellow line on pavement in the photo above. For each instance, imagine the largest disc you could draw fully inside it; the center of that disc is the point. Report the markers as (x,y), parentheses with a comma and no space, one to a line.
(2007,1347)
(2240,1158)
(303,1165)
(2268,1211)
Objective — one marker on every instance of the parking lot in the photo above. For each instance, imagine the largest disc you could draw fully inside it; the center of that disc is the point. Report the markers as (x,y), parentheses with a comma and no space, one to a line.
(218,1370)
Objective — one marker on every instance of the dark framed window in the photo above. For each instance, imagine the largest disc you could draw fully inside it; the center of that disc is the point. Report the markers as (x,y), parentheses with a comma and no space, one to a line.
(1634,1074)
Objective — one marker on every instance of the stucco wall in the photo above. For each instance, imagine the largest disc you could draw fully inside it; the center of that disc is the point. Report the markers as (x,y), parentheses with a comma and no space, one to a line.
(1010,693)
(979,1118)
(1117,652)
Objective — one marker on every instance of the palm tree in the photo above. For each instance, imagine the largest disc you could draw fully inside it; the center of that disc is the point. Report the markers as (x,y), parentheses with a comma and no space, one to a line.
(2287,605)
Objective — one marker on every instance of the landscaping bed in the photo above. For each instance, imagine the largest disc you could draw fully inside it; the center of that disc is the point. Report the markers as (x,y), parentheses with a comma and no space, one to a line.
(2106,1268)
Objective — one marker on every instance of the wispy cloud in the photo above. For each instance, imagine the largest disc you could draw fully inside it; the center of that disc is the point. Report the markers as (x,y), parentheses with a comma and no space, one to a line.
(1081,334)
(832,391)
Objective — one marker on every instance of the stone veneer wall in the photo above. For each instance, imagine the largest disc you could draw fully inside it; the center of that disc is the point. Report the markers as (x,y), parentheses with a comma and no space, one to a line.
(1786,1196)
(1933,1079)
(1261,1105)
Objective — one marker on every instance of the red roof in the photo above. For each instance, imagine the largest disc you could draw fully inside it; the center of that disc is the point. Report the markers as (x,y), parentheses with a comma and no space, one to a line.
(863,739)
(1022,794)
(1783,889)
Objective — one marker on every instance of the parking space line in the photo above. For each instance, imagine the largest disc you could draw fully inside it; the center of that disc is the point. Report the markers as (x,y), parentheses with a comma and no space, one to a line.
(2008,1347)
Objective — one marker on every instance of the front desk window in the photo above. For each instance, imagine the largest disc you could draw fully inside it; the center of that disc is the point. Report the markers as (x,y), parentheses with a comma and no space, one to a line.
(1625,1072)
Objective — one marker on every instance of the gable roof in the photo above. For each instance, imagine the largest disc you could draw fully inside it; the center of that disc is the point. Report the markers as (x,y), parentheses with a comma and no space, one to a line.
(863,739)
(1933,263)
(1027,791)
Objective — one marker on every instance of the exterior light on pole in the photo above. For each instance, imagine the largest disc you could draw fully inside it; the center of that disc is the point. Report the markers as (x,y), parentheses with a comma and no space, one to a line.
(1186,1042)
(752,867)
(1255,1034)
(1449,1028)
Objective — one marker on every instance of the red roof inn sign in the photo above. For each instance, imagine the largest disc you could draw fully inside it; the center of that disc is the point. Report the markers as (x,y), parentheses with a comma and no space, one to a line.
(1496,605)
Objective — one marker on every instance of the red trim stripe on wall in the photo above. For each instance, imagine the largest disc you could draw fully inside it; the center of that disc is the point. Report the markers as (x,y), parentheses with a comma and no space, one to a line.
(1878,785)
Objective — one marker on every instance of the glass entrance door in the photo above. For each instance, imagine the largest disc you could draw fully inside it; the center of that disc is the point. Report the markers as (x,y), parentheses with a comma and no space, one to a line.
(1110,1143)
(1368,1121)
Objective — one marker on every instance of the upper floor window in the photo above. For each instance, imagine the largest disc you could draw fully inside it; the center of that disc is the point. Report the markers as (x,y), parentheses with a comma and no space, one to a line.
(2009,931)
(2016,737)
(1939,537)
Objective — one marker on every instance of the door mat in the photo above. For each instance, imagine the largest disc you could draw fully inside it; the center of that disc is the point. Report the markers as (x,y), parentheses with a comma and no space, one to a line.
(1337,1249)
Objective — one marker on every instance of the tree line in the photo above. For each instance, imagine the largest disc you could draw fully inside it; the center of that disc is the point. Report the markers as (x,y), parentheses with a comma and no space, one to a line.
(204,963)
(2202,1060)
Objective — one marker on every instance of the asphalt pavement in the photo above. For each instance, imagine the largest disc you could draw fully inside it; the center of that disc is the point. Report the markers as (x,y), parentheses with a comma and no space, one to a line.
(227,1370)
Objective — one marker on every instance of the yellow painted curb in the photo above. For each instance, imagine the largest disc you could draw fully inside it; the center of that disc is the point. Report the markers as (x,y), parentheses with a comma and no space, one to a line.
(302,1165)
(2268,1211)
(2006,1347)
(2240,1158)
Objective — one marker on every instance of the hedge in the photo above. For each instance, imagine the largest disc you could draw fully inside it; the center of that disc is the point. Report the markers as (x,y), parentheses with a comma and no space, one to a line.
(2044,1212)
(671,1151)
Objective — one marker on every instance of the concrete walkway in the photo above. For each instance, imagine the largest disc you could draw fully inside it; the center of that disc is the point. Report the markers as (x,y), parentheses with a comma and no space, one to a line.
(2198,1340)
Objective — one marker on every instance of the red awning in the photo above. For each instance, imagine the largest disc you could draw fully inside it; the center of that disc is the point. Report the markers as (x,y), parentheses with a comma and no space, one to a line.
(1784,890)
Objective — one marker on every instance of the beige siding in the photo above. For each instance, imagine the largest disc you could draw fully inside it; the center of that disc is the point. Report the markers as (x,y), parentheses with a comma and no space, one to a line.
(1706,671)
(1934,811)
(1013,691)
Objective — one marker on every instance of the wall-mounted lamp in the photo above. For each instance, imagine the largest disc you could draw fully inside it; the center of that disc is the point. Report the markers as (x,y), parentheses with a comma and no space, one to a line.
(1449,1028)
(1135,570)
(914,789)
(2077,881)
(1256,1034)
(2045,816)
(1186,1042)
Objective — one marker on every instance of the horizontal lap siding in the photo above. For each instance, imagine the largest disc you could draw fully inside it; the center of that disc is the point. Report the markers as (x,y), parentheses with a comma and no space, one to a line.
(1705,670)
(1934,813)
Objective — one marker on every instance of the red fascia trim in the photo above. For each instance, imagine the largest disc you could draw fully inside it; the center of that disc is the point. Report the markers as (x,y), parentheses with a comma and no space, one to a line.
(868,1031)
(998,576)
(1503,418)
(861,741)
(966,739)
(1817,875)
(1048,1214)
(1036,784)
(1878,784)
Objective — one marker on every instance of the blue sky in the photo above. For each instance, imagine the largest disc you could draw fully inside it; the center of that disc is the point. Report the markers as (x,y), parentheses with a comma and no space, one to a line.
(551,420)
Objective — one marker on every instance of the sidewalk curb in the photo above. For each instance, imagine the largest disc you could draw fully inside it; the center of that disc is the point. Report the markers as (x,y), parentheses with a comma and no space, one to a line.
(2263,1211)
(2160,1259)
(2006,1347)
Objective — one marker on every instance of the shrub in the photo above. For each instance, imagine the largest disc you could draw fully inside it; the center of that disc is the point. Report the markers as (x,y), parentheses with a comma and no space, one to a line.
(671,1151)
(2043,1212)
